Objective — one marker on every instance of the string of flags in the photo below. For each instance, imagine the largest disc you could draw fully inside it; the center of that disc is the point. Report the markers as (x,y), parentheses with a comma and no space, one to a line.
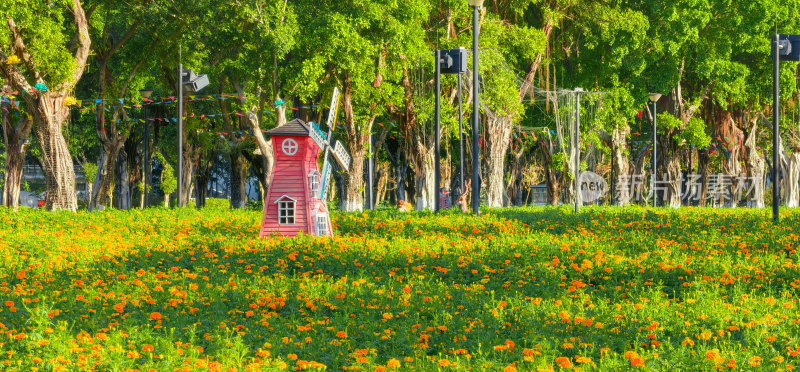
(137,103)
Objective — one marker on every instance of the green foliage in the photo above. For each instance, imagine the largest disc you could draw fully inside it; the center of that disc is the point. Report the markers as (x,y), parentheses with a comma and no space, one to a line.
(667,123)
(44,28)
(695,134)
(90,171)
(559,160)
(169,183)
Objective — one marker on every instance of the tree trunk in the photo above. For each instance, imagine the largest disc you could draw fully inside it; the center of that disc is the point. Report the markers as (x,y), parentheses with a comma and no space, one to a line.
(671,172)
(357,138)
(48,109)
(124,200)
(620,164)
(755,168)
(203,177)
(498,129)
(552,176)
(238,179)
(15,155)
(703,160)
(352,199)
(15,159)
(733,136)
(383,180)
(400,177)
(49,116)
(105,174)
(791,188)
(424,173)
(188,170)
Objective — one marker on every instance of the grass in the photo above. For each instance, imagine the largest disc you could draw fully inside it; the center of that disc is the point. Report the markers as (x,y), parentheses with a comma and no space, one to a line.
(513,289)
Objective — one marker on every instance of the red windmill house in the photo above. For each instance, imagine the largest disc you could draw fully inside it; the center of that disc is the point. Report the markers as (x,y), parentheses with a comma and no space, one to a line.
(295,200)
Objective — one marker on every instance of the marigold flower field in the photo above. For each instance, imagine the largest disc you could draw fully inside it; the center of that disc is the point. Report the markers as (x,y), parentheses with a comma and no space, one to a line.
(514,289)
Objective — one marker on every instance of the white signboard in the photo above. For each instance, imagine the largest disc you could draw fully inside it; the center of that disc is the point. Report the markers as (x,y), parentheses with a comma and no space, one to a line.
(342,156)
(326,180)
(316,136)
(332,111)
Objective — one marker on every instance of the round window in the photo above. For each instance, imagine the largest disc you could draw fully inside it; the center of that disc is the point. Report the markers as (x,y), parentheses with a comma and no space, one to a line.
(289,147)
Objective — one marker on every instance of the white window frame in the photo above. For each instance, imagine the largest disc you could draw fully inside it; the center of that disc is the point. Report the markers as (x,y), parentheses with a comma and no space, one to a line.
(287,210)
(321,224)
(289,147)
(314,183)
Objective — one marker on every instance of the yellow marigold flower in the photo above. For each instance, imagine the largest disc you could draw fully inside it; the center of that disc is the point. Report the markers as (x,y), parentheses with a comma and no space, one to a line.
(13,60)
(393,363)
(70,101)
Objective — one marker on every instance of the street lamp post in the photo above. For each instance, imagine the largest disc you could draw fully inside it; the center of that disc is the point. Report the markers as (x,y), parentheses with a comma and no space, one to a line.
(654,97)
(437,176)
(577,144)
(476,186)
(191,82)
(146,93)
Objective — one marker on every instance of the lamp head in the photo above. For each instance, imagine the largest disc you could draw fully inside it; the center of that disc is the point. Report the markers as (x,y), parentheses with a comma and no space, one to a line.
(146,93)
(193,82)
(654,97)
(475,3)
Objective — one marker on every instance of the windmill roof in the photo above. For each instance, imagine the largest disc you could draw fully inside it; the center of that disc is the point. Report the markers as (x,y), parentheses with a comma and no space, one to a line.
(295,127)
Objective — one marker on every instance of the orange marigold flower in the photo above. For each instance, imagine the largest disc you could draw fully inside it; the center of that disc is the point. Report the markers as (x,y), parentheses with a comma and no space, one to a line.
(712,354)
(637,362)
(755,361)
(510,368)
(120,307)
(444,363)
(155,316)
(148,348)
(582,359)
(341,334)
(393,363)
(564,362)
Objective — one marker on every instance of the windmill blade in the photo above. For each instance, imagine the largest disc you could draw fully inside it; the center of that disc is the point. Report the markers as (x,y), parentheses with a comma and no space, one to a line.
(326,180)
(317,136)
(334,105)
(341,155)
